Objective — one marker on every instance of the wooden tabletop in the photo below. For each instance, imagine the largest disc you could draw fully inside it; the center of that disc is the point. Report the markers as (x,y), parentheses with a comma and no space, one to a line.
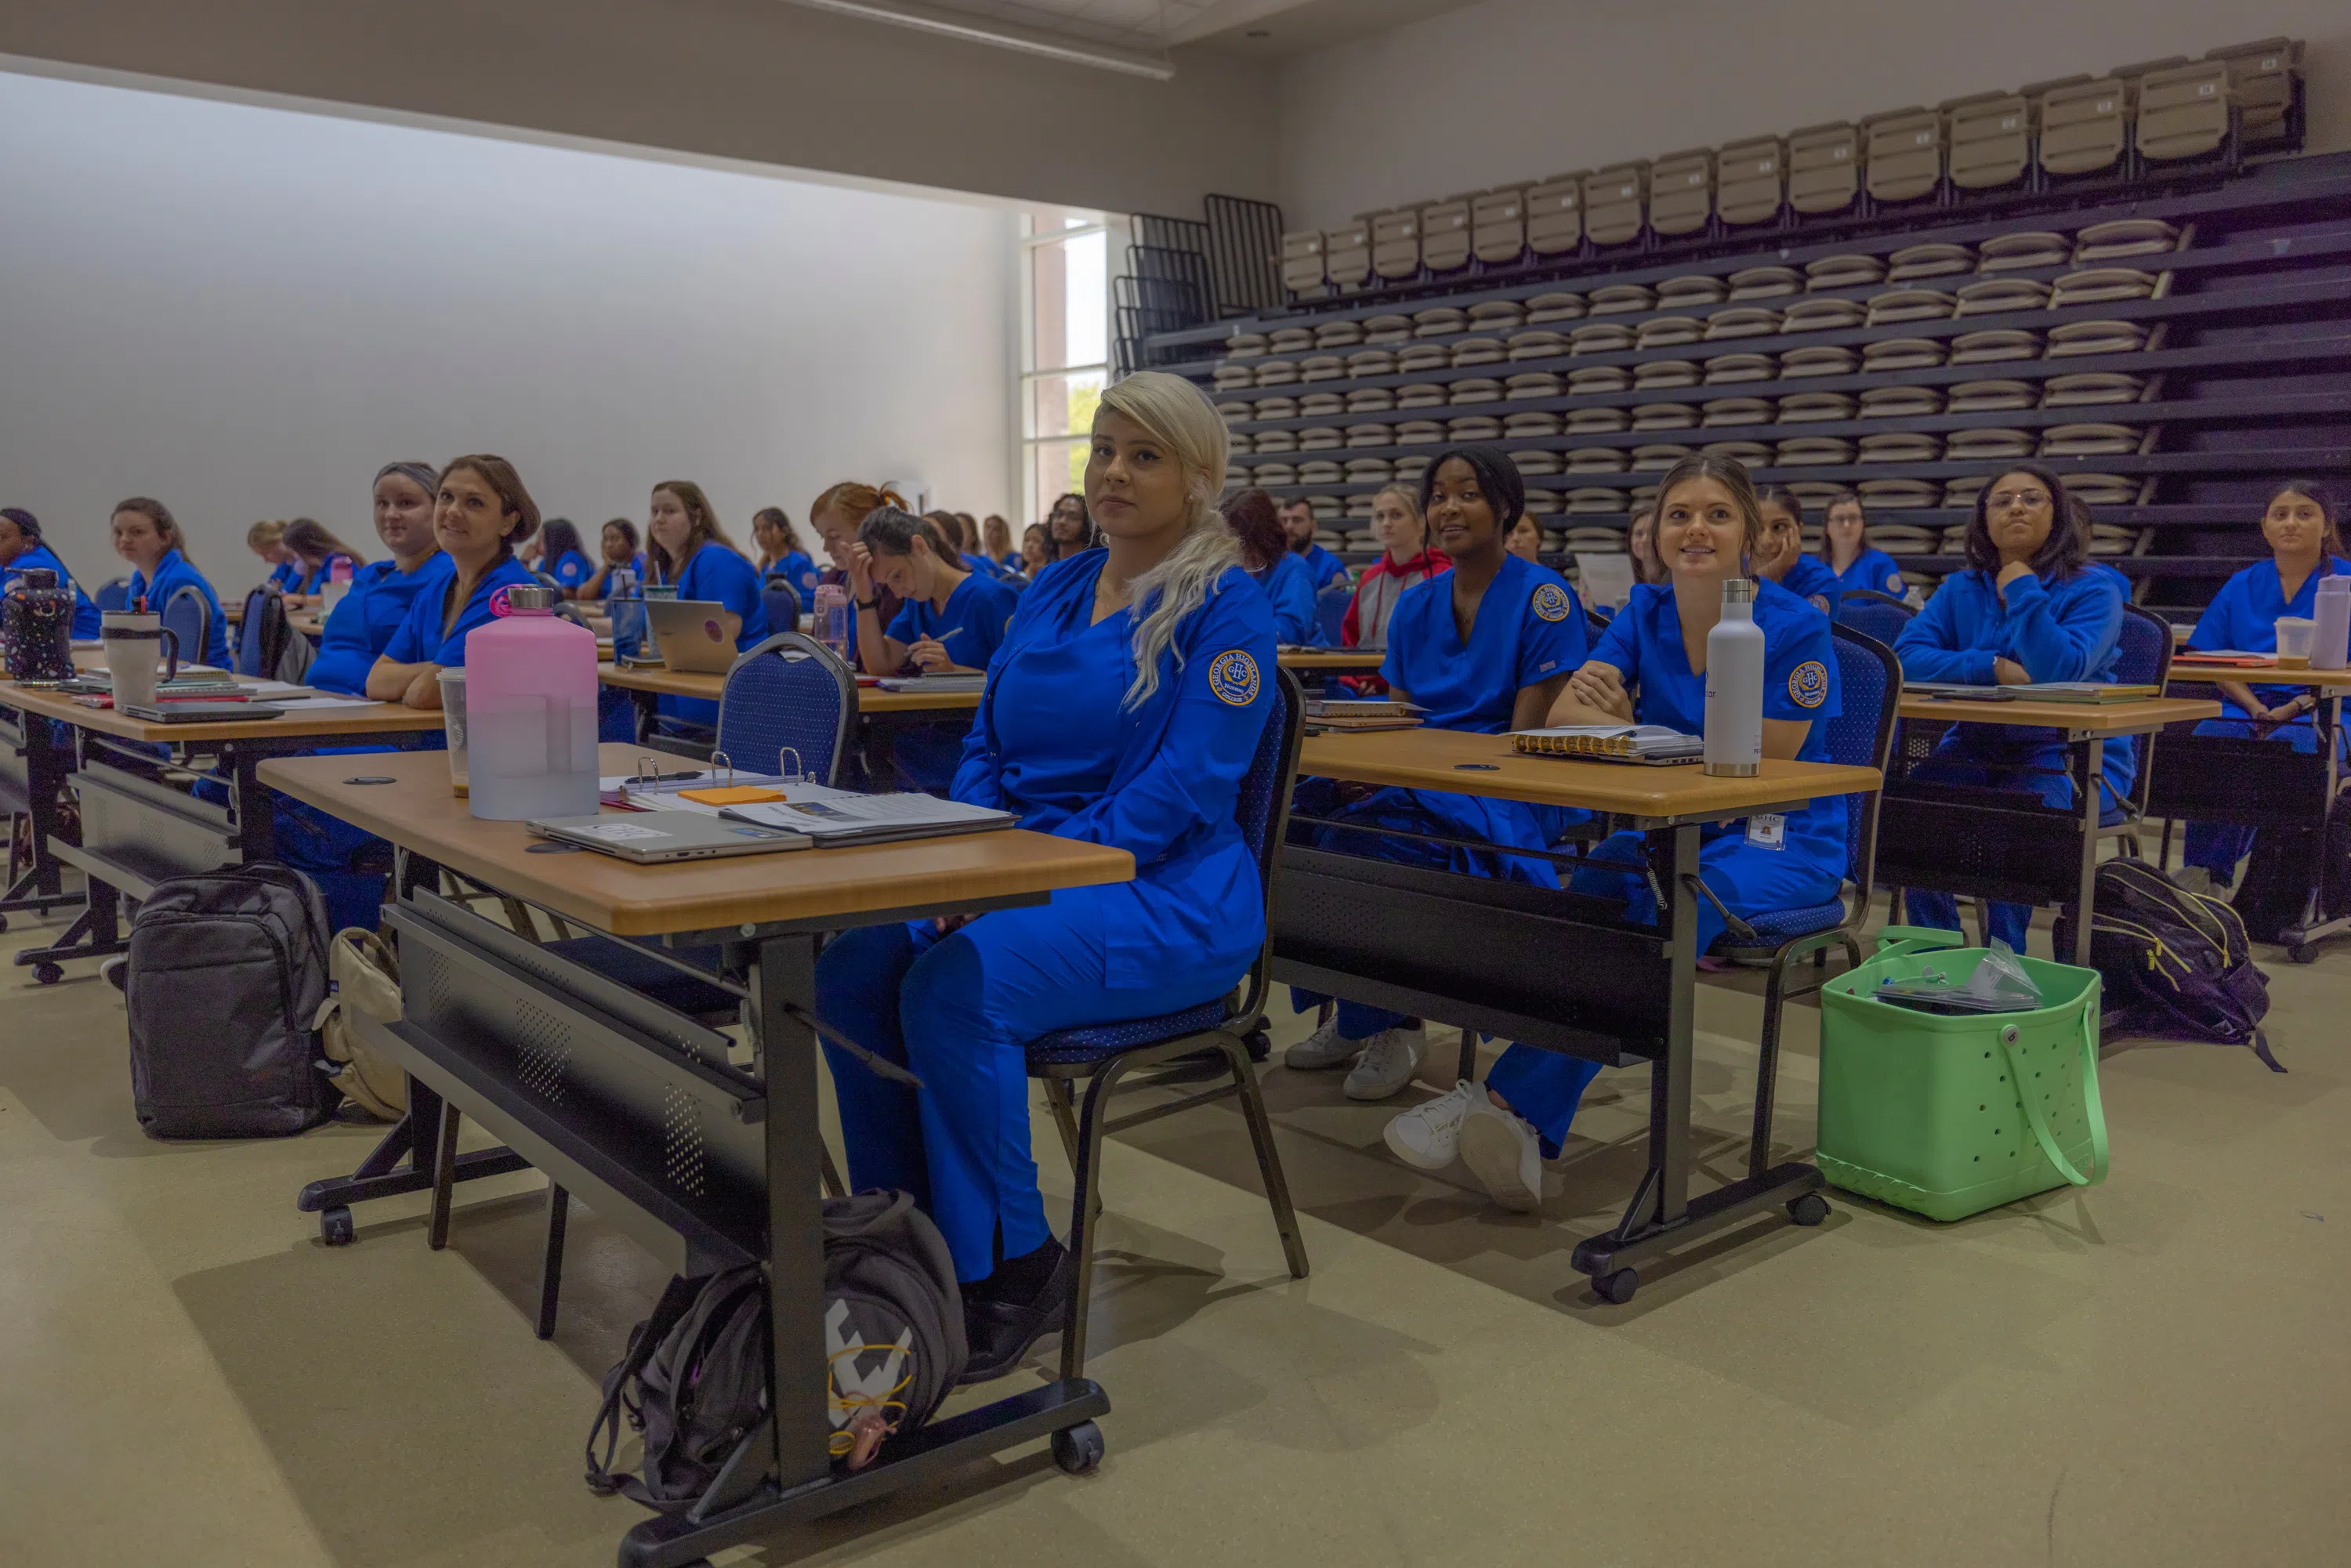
(418,811)
(1333,658)
(2317,680)
(1431,759)
(2140,717)
(870,699)
(375,719)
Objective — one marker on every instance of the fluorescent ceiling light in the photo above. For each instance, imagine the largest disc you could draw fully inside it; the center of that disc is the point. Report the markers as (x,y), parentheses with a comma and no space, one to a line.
(974,31)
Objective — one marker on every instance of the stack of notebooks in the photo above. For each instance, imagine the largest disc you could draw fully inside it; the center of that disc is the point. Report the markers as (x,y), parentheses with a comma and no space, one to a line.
(2087,693)
(1353,714)
(822,814)
(941,685)
(1651,745)
(2222,659)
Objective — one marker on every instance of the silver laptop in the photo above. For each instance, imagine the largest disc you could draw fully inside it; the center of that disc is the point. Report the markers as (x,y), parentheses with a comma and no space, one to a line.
(696,635)
(655,837)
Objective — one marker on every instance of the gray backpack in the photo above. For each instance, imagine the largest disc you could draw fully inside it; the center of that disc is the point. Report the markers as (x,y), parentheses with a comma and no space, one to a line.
(228,970)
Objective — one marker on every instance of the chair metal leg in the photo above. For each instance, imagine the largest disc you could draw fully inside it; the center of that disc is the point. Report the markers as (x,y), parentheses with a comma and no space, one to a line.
(444,1176)
(1467,1072)
(550,1264)
(1085,1210)
(1268,1160)
(1983,921)
(1065,1121)
(1766,1067)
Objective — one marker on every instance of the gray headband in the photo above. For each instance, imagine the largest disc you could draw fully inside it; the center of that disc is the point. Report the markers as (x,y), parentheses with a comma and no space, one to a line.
(426,478)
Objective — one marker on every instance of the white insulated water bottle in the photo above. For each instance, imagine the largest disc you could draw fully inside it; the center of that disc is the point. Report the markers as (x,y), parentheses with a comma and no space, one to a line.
(2330,641)
(1734,685)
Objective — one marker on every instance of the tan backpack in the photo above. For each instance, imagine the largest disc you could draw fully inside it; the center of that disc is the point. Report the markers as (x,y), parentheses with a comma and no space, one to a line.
(367,980)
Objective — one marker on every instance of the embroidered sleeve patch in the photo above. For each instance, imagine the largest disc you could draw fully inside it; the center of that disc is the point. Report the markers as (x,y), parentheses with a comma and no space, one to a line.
(1233,676)
(1551,602)
(1808,683)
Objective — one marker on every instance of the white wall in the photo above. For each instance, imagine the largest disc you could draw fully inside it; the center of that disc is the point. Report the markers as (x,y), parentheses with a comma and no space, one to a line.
(1517,89)
(245,311)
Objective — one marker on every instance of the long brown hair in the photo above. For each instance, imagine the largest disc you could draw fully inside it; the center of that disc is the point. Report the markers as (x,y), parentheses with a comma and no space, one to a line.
(309,539)
(855,499)
(505,484)
(155,512)
(1257,523)
(776,518)
(1731,475)
(2061,554)
(706,529)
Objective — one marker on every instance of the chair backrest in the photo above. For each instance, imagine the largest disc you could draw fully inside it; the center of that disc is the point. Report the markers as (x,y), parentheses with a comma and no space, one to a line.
(2082,127)
(549,579)
(1873,614)
(1824,168)
(1331,612)
(792,690)
(1263,809)
(1555,214)
(782,602)
(1616,203)
(260,635)
(1681,191)
(1751,181)
(2143,658)
(1903,154)
(1498,225)
(2183,111)
(114,595)
(188,618)
(1869,695)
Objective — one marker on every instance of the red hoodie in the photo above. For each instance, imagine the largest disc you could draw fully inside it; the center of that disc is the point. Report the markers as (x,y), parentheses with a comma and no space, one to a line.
(1377,592)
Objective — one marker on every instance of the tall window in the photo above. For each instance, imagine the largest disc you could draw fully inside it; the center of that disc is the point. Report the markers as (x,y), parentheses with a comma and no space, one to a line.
(1066,264)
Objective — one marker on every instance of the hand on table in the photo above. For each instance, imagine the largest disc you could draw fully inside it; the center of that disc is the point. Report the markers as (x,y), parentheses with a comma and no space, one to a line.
(2009,673)
(1602,686)
(931,655)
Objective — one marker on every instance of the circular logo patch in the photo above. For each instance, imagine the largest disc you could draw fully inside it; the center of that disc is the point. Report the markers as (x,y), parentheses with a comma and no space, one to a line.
(1808,683)
(1232,675)
(714,630)
(1551,602)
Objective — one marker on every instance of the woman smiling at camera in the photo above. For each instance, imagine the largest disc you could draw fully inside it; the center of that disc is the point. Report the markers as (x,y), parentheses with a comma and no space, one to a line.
(480,513)
(1123,708)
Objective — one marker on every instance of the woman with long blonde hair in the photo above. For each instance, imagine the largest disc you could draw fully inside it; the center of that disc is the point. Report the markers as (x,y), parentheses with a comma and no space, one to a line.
(1072,744)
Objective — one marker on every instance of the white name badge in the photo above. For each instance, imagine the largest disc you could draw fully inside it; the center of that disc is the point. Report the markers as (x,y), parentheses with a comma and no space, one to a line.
(1768,832)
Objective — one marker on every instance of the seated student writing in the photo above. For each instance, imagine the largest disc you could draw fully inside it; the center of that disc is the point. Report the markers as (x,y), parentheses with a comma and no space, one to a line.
(267,540)
(950,621)
(686,547)
(1782,557)
(1267,558)
(1123,708)
(1485,647)
(618,544)
(315,551)
(2026,610)
(1298,527)
(781,554)
(480,514)
(147,537)
(2300,527)
(21,550)
(1846,550)
(1650,668)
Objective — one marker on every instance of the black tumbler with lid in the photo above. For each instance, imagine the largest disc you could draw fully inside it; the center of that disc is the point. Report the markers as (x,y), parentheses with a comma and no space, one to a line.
(36,627)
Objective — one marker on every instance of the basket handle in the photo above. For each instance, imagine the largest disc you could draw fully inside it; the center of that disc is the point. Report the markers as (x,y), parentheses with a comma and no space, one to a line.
(2093,1107)
(1893,941)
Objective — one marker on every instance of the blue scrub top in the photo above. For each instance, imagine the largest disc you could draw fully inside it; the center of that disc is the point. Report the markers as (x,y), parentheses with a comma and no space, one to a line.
(798,570)
(572,570)
(1013,564)
(1799,683)
(972,626)
(172,574)
(1873,570)
(1056,743)
(1322,567)
(420,640)
(1812,576)
(86,623)
(981,565)
(287,578)
(293,577)
(1290,590)
(1529,628)
(362,625)
(2243,617)
(717,572)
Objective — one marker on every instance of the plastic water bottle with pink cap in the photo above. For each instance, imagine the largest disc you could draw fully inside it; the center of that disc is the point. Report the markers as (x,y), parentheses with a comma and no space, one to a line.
(530,710)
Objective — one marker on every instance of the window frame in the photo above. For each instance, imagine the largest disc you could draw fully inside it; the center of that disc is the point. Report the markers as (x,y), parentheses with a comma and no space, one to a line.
(1028,444)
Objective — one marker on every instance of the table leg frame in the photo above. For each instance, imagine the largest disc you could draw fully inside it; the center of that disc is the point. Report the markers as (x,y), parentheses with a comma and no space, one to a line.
(2088,758)
(41,888)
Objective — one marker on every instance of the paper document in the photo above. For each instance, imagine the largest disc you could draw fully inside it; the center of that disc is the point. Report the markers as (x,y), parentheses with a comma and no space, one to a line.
(843,816)
(1607,578)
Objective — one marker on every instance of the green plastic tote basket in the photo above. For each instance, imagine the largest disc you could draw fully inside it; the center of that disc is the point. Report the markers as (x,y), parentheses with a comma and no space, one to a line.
(1952,1115)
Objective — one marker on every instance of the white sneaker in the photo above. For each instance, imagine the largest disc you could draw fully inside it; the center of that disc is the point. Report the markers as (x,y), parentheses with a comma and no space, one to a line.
(1321,1049)
(1503,1152)
(2193,878)
(1390,1059)
(1428,1137)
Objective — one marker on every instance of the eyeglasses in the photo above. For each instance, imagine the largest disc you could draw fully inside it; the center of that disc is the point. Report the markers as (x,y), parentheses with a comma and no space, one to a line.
(2004,499)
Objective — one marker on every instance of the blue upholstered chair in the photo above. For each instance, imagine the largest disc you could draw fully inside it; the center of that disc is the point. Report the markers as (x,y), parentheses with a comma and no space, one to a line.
(1331,613)
(782,602)
(1879,616)
(114,595)
(187,617)
(260,635)
(1103,1055)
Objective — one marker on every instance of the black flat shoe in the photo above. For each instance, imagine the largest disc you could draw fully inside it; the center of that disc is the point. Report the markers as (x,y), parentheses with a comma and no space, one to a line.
(1002,1333)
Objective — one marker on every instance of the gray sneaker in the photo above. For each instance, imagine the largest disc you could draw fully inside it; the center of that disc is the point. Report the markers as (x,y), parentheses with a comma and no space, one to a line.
(1390,1059)
(1321,1050)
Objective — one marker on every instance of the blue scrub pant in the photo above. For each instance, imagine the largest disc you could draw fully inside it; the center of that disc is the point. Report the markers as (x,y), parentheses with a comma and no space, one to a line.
(2220,847)
(1545,1086)
(957,1011)
(2051,779)
(350,865)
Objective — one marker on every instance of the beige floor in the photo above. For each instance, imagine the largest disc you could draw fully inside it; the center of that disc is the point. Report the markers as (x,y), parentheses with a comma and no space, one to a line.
(2152,1372)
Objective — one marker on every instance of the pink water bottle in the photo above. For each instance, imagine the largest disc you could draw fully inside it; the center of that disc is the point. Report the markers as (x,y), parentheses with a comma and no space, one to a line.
(530,711)
(831,608)
(339,572)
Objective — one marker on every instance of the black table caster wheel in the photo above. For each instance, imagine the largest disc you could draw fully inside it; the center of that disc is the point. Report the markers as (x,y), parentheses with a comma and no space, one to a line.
(2306,953)
(335,1227)
(1079,1448)
(47,974)
(1261,1044)
(1617,1288)
(1808,1209)
(4,923)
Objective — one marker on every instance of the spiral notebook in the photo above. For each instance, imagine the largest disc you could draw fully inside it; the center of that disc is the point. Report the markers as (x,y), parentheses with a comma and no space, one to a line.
(1649,745)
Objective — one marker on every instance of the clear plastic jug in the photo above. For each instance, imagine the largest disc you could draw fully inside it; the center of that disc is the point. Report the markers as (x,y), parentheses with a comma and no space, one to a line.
(530,711)
(2330,637)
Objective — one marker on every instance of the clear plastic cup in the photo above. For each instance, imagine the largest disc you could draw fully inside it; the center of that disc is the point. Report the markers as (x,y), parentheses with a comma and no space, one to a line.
(453,716)
(2293,634)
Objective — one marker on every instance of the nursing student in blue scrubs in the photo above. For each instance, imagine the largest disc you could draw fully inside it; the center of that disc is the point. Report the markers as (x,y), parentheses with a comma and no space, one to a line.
(21,550)
(314,552)
(146,535)
(563,557)
(781,554)
(348,865)
(1123,708)
(1846,551)
(617,544)
(1322,567)
(1781,556)
(1485,647)
(1649,667)
(1266,556)
(685,545)
(950,621)
(2300,527)
(2027,609)
(480,513)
